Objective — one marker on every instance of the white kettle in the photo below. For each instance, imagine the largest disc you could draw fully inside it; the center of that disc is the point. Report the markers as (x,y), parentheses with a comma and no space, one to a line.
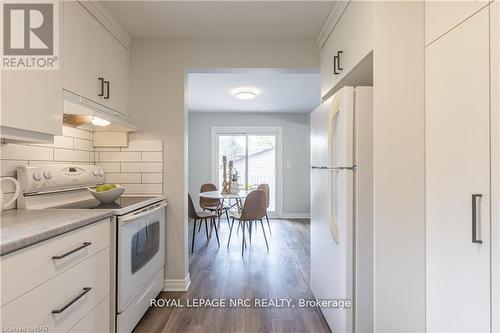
(17,187)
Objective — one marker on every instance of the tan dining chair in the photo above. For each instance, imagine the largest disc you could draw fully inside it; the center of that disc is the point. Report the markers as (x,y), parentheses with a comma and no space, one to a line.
(212,205)
(265,188)
(201,216)
(254,209)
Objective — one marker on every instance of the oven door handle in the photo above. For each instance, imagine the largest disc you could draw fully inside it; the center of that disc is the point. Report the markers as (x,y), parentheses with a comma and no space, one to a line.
(128,218)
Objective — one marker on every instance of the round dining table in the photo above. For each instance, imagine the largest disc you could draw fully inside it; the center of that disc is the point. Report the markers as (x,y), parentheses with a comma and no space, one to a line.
(217,195)
(242,194)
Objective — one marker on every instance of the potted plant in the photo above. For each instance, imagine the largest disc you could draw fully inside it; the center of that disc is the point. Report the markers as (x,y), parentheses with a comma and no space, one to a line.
(235,177)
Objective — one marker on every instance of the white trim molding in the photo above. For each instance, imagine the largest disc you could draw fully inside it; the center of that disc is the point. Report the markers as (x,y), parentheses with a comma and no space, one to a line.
(107,21)
(338,10)
(177,284)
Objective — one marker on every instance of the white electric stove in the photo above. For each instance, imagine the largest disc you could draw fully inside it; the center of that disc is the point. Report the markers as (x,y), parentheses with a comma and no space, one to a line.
(137,229)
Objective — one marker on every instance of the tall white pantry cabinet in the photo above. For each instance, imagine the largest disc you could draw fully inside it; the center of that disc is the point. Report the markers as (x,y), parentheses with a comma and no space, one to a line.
(462,153)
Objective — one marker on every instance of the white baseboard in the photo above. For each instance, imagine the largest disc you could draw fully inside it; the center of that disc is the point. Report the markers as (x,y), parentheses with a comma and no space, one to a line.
(177,284)
(291,216)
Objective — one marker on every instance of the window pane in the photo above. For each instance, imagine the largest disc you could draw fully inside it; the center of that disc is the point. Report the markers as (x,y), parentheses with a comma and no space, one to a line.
(234,147)
(262,164)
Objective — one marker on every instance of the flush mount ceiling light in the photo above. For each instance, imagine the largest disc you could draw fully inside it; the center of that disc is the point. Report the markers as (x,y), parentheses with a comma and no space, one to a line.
(245,93)
(100,122)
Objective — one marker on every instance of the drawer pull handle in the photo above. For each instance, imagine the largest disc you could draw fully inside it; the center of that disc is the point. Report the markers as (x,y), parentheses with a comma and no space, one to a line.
(474,218)
(72,251)
(107,84)
(101,81)
(338,60)
(85,290)
(335,61)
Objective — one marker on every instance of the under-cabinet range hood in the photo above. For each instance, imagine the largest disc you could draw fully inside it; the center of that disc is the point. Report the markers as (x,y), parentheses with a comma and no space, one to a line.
(80,111)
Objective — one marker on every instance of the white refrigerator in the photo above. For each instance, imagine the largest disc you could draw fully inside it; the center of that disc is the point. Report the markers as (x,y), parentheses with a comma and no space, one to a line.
(342,208)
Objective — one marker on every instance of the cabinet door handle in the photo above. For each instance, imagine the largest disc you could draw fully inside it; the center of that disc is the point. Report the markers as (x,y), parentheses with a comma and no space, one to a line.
(335,61)
(101,81)
(107,89)
(474,218)
(338,60)
(84,245)
(84,291)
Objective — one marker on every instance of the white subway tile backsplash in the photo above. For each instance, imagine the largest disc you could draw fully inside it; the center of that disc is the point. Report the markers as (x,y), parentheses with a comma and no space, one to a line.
(81,144)
(152,157)
(119,157)
(142,188)
(8,168)
(59,142)
(107,149)
(119,178)
(142,167)
(35,162)
(110,139)
(152,178)
(12,151)
(76,133)
(109,166)
(73,155)
(138,168)
(144,145)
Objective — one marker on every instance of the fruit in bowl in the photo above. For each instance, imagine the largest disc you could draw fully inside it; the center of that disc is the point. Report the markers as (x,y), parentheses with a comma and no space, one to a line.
(107,193)
(105,187)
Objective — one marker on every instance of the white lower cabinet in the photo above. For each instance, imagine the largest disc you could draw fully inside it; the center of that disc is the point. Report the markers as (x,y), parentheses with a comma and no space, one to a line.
(60,294)
(38,264)
(96,321)
(64,300)
(458,179)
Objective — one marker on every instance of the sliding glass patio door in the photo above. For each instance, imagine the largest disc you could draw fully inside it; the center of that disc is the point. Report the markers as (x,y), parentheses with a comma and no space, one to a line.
(256,156)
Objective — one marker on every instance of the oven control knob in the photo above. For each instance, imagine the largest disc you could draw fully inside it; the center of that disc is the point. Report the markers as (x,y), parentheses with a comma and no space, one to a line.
(37,176)
(47,174)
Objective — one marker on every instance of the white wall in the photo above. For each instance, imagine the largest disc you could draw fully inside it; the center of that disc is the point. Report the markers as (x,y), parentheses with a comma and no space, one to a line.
(295,143)
(399,165)
(158,76)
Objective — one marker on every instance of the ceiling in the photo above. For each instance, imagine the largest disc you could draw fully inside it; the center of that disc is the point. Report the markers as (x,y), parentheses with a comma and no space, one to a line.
(220,19)
(276,92)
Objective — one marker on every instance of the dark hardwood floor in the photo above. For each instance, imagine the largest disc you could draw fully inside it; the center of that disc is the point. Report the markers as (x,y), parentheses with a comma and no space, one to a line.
(223,273)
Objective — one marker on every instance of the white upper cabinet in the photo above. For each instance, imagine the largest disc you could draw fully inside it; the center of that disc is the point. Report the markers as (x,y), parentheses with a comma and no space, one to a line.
(441,16)
(350,42)
(31,104)
(82,51)
(115,71)
(96,64)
